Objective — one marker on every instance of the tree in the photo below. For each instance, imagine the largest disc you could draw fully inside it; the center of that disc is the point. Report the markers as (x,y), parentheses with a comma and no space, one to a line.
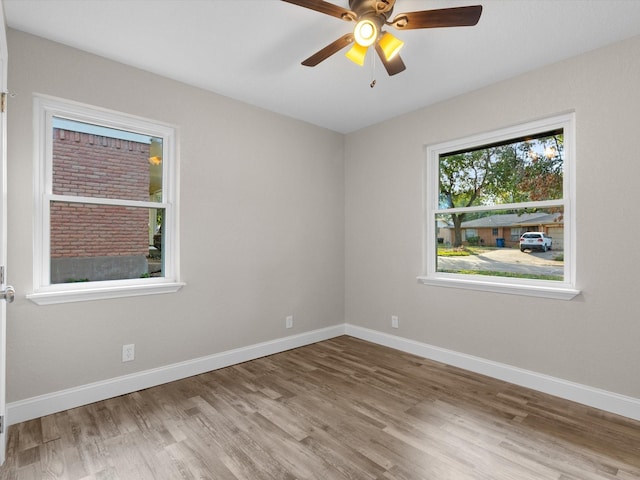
(515,172)
(469,179)
(543,173)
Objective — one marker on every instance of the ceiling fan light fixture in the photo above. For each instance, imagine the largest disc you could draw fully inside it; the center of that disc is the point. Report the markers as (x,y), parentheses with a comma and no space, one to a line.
(390,45)
(357,53)
(371,17)
(366,32)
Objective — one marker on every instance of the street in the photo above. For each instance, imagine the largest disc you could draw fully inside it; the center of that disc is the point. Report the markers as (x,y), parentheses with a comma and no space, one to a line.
(510,260)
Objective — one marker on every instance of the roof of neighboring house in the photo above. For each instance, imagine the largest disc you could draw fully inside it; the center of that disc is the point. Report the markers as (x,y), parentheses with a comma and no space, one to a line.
(514,220)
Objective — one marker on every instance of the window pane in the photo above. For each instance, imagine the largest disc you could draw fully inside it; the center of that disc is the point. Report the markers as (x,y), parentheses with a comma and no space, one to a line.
(467,244)
(519,170)
(94,161)
(104,242)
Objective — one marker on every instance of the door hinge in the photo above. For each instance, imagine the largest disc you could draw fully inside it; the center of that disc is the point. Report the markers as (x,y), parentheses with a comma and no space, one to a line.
(1,274)
(3,102)
(2,424)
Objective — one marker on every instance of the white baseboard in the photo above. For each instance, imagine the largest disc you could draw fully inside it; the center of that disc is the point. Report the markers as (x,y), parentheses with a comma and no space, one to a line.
(593,397)
(47,404)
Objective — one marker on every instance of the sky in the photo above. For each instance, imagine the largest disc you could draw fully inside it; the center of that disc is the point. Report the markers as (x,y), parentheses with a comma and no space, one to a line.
(99,130)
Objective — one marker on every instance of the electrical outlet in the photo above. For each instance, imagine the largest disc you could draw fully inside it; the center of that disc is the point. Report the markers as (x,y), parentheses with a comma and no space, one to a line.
(128,352)
(394,321)
(288,322)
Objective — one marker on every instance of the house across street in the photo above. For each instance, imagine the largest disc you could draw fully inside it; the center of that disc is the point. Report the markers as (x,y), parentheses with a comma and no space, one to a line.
(505,230)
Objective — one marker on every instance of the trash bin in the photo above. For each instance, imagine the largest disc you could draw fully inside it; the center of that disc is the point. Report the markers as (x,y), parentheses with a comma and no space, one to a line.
(500,242)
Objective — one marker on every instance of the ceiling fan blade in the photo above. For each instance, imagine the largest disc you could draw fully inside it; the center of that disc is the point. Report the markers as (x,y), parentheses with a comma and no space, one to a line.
(329,50)
(444,17)
(393,66)
(325,7)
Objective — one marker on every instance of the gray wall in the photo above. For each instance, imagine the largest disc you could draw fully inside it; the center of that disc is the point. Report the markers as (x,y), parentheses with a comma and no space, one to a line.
(264,204)
(594,339)
(262,228)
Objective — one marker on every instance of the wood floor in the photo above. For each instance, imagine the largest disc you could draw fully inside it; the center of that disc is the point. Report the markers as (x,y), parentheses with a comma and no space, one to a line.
(339,409)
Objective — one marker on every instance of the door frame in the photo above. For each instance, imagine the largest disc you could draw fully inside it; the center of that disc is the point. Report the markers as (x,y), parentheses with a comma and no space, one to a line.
(3,228)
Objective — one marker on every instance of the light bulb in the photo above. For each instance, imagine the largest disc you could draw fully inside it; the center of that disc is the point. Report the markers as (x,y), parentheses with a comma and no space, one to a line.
(365,32)
(550,152)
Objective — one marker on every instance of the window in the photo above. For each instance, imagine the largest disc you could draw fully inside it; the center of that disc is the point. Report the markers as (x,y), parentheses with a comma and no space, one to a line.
(516,233)
(471,236)
(484,192)
(106,189)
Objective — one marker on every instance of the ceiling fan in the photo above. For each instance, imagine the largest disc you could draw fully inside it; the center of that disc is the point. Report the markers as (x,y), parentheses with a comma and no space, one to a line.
(371,16)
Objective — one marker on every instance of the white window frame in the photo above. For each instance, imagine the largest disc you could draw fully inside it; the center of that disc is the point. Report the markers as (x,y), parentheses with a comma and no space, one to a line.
(565,289)
(44,292)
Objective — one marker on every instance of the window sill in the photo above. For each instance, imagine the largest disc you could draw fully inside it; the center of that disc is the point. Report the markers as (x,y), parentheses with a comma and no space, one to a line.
(55,296)
(533,290)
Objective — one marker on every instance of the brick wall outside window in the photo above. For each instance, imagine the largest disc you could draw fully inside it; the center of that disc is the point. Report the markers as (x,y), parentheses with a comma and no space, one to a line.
(97,166)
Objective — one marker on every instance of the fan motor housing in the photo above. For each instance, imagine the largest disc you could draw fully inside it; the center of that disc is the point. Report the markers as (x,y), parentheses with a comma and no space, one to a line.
(372,8)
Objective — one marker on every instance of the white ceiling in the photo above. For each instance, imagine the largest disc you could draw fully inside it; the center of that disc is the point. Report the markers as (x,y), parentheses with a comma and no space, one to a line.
(251,50)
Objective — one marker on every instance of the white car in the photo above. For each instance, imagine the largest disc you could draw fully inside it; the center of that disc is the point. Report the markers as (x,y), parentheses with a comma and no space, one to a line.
(535,241)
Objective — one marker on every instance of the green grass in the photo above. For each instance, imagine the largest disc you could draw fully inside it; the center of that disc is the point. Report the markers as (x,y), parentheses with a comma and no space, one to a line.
(452,252)
(462,251)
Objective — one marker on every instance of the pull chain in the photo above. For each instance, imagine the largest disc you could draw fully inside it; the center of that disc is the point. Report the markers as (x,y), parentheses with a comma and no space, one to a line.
(373,71)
